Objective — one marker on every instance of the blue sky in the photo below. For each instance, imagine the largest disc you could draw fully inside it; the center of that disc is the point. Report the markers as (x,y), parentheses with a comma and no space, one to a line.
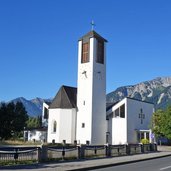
(38,43)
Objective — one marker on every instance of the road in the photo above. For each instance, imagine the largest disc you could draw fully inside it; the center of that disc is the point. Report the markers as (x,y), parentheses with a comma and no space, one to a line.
(161,164)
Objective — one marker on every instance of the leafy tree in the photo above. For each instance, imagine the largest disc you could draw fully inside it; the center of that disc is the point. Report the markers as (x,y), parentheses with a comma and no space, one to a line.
(13,118)
(34,122)
(157,123)
(166,123)
(161,123)
(5,122)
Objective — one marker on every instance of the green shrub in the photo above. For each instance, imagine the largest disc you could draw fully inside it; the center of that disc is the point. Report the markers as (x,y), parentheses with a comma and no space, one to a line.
(144,141)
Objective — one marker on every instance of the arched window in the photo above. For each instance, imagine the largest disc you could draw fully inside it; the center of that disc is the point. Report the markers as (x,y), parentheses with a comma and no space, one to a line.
(54,126)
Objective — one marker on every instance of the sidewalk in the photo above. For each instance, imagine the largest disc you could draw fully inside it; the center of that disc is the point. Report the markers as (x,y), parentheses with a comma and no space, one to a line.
(93,163)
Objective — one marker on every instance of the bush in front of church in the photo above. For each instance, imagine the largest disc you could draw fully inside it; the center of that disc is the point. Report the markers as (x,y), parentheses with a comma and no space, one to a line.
(144,141)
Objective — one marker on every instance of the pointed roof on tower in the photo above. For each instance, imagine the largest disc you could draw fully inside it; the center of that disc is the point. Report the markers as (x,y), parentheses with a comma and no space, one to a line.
(65,98)
(92,34)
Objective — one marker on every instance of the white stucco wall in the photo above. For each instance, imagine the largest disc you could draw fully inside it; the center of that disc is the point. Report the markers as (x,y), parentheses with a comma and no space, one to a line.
(91,98)
(66,125)
(119,135)
(119,126)
(134,122)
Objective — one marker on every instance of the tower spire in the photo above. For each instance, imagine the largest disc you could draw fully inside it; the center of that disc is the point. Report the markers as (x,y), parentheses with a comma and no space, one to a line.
(92,25)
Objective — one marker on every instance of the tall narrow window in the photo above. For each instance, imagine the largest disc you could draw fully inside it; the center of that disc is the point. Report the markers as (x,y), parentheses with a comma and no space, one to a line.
(100,52)
(46,113)
(85,53)
(117,112)
(54,126)
(122,111)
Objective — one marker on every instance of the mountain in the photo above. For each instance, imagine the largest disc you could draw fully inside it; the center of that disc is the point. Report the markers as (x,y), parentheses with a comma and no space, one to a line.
(157,91)
(33,107)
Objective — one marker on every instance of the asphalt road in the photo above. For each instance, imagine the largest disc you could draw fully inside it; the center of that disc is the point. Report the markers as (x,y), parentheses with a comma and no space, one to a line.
(161,164)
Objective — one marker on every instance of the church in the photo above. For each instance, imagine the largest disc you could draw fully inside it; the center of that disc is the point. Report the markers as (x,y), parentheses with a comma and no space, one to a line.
(80,115)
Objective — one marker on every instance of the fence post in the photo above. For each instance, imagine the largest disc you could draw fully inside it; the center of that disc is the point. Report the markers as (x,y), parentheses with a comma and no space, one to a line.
(128,149)
(44,153)
(118,151)
(82,151)
(142,148)
(79,152)
(63,152)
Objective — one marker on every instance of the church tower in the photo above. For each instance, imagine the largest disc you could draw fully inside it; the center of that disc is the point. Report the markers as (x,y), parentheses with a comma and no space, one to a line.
(91,89)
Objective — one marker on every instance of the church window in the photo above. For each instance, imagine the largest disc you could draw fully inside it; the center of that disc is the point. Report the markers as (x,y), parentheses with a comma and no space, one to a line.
(122,111)
(117,112)
(83,125)
(45,113)
(100,52)
(85,53)
(54,126)
(141,115)
(147,136)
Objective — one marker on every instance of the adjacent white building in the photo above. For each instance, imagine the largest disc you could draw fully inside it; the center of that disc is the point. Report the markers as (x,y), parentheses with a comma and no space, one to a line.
(35,134)
(80,114)
(129,121)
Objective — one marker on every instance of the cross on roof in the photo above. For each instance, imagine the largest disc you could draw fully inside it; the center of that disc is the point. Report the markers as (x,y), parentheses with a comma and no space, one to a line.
(92,25)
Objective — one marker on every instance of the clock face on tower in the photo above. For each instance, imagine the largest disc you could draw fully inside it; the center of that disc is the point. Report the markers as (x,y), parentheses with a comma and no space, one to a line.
(98,74)
(85,72)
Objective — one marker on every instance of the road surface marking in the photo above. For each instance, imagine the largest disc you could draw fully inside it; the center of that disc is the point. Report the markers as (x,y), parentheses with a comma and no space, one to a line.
(164,168)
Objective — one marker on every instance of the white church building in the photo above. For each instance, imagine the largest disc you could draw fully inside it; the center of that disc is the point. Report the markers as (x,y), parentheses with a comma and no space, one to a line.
(81,114)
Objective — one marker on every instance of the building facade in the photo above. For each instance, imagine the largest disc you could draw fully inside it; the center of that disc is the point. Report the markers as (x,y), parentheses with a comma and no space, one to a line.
(80,114)
(129,121)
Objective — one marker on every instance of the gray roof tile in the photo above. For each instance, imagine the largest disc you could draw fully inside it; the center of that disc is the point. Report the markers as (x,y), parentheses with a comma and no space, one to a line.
(66,98)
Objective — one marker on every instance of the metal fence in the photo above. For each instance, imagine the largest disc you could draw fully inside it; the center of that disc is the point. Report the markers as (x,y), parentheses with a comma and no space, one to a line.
(68,152)
(135,148)
(58,152)
(94,151)
(19,153)
(117,150)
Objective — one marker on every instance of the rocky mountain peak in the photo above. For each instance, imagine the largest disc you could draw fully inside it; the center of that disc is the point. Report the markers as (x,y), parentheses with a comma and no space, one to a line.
(157,91)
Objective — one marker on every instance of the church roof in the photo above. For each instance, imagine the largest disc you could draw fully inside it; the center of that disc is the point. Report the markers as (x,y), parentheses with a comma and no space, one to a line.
(65,98)
(93,34)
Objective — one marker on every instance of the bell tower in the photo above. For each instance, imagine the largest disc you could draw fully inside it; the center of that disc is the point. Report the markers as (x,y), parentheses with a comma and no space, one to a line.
(91,89)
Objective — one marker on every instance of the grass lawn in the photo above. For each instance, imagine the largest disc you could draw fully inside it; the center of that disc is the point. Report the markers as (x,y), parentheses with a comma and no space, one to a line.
(18,142)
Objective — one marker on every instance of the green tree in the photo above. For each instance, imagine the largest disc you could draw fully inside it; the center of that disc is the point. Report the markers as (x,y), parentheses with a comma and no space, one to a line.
(13,119)
(5,122)
(34,122)
(161,123)
(157,122)
(166,123)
